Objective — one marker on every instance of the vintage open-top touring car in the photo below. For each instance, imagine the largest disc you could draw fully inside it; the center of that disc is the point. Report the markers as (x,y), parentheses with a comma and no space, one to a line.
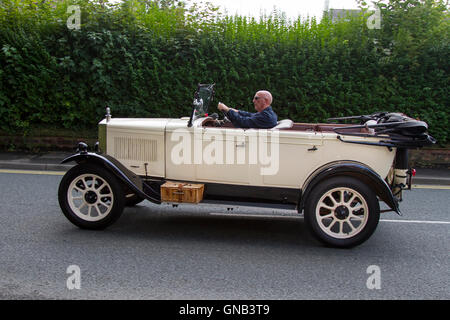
(334,173)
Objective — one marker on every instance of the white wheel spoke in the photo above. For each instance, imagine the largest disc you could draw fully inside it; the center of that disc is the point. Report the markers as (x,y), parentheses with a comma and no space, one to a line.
(84,184)
(341,197)
(104,187)
(350,224)
(92,183)
(323,205)
(78,190)
(327,216)
(100,184)
(105,204)
(332,224)
(355,217)
(341,227)
(97,206)
(336,203)
(92,210)
(349,202)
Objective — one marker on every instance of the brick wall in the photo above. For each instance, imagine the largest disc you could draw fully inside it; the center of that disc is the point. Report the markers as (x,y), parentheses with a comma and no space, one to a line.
(430,158)
(17,143)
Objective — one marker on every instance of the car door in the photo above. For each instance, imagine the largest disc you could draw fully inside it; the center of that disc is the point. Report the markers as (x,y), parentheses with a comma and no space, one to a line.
(299,154)
(224,155)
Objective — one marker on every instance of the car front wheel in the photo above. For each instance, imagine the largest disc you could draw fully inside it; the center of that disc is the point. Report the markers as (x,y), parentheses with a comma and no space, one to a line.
(342,212)
(91,197)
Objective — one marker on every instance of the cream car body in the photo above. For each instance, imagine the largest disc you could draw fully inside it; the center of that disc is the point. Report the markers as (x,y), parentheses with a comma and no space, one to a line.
(335,174)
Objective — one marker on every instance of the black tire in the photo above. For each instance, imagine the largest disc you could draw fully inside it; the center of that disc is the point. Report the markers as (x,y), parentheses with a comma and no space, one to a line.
(352,214)
(100,193)
(131,201)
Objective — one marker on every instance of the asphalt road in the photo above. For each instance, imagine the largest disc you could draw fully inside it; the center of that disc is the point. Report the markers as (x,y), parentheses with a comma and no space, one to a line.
(205,252)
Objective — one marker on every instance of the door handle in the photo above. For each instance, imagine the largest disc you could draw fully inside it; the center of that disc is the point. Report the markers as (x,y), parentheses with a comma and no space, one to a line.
(240,145)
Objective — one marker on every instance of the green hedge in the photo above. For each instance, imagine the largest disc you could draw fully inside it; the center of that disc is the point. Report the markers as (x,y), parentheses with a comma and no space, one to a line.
(144,59)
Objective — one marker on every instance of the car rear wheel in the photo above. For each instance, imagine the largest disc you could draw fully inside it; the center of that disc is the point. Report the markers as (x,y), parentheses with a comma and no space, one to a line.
(342,212)
(91,197)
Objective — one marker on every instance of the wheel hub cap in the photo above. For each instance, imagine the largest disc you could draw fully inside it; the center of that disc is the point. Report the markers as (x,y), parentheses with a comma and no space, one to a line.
(341,212)
(90,197)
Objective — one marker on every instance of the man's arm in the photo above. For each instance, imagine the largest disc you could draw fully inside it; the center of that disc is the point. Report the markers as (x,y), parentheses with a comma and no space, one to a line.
(256,120)
(244,113)
(222,107)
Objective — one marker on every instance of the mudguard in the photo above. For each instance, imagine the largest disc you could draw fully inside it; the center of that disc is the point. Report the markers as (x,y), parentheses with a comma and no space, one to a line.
(356,170)
(131,180)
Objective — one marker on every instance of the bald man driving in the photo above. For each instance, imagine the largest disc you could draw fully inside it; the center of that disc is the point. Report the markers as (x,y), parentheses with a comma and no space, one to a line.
(264,118)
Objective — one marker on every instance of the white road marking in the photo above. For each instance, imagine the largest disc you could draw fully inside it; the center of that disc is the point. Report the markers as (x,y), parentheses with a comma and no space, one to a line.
(301,217)
(417,221)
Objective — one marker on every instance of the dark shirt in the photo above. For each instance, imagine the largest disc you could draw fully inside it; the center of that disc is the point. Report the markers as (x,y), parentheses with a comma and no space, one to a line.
(265,119)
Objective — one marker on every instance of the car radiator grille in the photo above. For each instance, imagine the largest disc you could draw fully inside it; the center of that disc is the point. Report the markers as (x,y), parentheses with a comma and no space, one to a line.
(135,149)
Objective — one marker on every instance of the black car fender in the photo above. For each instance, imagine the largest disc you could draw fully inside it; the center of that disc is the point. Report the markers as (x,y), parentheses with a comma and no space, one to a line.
(350,169)
(132,181)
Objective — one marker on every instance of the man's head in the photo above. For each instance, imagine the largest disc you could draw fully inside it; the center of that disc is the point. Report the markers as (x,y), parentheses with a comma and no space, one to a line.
(262,100)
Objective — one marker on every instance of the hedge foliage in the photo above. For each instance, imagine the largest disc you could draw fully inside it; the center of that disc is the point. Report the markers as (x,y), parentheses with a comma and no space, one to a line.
(144,59)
